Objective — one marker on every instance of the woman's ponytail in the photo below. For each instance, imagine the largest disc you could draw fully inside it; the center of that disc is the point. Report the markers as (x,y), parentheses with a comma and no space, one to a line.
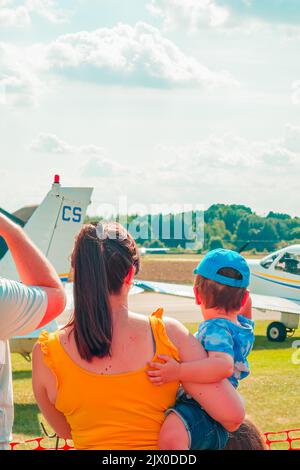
(100,267)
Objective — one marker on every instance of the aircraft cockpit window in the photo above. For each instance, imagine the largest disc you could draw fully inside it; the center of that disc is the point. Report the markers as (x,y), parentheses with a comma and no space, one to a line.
(267,262)
(289,263)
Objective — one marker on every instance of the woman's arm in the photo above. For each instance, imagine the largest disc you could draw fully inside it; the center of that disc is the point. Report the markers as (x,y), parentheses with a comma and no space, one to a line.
(42,382)
(33,267)
(220,400)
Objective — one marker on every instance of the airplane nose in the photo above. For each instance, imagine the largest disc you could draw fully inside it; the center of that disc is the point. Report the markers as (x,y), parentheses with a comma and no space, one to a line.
(253,287)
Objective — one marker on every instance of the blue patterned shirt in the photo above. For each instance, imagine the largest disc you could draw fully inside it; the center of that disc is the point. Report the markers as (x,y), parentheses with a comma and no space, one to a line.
(222,335)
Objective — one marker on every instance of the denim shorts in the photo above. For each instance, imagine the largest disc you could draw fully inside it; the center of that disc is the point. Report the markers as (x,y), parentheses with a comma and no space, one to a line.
(204,432)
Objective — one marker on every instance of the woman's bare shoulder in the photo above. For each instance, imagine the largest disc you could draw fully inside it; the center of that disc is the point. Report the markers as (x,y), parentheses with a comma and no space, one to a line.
(175,329)
(138,323)
(189,347)
(41,373)
(65,333)
(138,317)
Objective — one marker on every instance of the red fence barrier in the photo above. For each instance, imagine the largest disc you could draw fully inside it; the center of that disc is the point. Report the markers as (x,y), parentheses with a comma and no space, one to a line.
(286,440)
(42,443)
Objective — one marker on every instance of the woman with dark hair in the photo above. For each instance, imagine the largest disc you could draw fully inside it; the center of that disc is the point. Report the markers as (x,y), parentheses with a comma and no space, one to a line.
(90,379)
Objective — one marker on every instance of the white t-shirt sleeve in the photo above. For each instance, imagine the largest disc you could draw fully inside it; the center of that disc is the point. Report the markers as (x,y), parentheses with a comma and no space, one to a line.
(22,308)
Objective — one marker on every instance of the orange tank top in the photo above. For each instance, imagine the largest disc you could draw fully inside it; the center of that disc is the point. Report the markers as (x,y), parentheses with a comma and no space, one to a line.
(118,411)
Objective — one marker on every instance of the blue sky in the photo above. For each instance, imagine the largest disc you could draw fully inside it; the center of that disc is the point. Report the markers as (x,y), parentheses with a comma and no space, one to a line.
(163,101)
(279,11)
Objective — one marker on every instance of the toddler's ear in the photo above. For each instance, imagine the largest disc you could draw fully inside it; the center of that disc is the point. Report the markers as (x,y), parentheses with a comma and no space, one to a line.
(245,298)
(197,296)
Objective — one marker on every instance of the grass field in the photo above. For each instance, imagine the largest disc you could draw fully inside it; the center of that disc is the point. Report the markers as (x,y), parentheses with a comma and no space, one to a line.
(272,392)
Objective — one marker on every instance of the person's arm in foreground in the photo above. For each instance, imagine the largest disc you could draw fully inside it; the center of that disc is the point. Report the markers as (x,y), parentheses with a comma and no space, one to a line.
(41,375)
(220,400)
(34,268)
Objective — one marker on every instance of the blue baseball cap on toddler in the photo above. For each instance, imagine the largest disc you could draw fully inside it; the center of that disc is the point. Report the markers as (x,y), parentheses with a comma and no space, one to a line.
(220,258)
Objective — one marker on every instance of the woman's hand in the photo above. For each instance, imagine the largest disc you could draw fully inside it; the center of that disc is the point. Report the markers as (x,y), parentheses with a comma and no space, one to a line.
(168,371)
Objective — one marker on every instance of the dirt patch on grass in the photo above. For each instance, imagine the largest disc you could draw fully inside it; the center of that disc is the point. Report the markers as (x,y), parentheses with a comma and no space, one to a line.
(168,270)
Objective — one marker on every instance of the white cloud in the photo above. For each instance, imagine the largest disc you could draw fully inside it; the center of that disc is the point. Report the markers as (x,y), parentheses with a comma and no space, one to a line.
(221,168)
(292,138)
(242,16)
(227,154)
(47,9)
(296,92)
(102,167)
(190,14)
(277,157)
(14,14)
(130,55)
(11,17)
(96,162)
(50,143)
(230,153)
(19,82)
(228,169)
(122,55)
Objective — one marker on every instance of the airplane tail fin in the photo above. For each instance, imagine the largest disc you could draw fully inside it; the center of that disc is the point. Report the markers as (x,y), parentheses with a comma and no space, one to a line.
(53,227)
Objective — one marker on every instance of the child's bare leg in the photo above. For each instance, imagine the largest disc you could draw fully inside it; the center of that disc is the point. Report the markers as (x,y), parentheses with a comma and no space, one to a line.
(173,434)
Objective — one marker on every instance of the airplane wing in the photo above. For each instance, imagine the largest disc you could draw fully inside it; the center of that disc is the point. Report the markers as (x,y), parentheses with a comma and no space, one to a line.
(180,290)
(275,304)
(261,302)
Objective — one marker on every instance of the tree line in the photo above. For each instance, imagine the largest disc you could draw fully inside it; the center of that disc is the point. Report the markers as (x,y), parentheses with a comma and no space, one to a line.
(228,226)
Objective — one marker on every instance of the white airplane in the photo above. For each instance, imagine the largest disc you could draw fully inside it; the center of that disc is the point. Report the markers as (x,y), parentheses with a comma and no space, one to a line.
(278,276)
(275,286)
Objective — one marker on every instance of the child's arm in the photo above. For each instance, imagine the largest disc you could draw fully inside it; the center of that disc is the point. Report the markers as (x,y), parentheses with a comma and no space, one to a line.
(220,400)
(218,342)
(216,367)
